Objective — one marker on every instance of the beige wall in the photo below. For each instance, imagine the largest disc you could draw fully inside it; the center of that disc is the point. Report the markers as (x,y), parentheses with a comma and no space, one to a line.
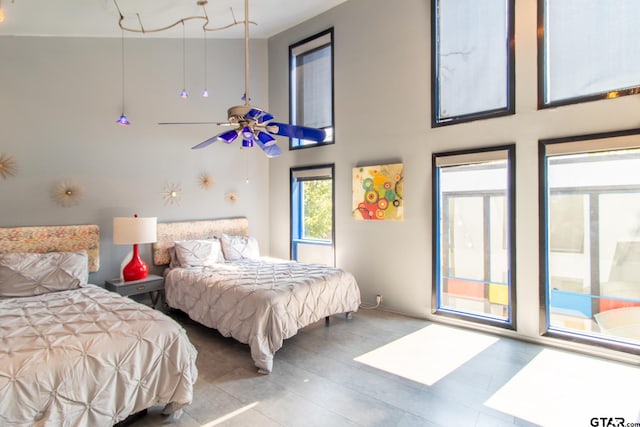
(59,100)
(383,114)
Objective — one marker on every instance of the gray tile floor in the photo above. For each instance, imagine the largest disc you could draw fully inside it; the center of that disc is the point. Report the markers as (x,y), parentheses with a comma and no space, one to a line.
(316,382)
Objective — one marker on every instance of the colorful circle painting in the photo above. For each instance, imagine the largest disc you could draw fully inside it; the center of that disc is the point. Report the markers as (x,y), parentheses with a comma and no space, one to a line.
(378,192)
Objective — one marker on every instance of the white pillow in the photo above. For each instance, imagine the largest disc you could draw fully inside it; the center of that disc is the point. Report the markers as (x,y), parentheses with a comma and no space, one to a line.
(198,253)
(239,247)
(28,274)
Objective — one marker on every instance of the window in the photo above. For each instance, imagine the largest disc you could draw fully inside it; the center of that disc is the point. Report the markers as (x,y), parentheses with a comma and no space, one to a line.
(588,50)
(590,238)
(311,86)
(474,248)
(312,214)
(473,60)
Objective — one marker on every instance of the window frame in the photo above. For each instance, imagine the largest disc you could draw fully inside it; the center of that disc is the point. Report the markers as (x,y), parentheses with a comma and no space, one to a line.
(542,73)
(292,96)
(508,109)
(545,327)
(510,216)
(295,219)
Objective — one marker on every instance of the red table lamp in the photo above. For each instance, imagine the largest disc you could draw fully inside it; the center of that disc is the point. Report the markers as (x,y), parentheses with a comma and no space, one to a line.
(133,231)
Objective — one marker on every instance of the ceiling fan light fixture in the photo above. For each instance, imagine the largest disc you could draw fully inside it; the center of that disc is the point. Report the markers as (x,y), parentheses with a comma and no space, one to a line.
(247,143)
(247,133)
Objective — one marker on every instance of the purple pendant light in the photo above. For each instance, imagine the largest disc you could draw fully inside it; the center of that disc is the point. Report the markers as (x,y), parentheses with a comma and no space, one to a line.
(123,120)
(205,92)
(184,94)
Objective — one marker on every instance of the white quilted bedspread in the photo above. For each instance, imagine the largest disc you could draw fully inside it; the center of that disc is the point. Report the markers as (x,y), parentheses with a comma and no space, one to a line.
(89,357)
(261,302)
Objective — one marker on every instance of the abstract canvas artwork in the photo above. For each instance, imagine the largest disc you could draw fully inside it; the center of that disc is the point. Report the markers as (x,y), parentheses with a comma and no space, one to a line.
(378,192)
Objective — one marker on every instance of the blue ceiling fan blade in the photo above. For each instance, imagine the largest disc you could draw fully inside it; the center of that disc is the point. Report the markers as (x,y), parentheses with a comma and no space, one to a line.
(271,150)
(266,139)
(300,132)
(258,115)
(228,137)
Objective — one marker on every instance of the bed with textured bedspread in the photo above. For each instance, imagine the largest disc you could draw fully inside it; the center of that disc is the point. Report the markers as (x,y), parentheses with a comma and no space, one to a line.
(261,302)
(89,357)
(72,353)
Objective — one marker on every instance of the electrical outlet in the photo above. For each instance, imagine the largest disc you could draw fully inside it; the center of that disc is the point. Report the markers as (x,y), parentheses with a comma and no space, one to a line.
(378,299)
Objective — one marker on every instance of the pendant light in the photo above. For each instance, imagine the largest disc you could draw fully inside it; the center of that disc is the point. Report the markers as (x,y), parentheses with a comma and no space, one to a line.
(184,94)
(205,92)
(123,120)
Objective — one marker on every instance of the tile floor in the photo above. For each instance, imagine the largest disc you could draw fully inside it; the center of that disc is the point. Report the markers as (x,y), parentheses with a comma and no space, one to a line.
(384,369)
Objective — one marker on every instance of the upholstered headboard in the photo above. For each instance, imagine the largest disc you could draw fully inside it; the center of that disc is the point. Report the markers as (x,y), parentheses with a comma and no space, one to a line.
(53,238)
(169,232)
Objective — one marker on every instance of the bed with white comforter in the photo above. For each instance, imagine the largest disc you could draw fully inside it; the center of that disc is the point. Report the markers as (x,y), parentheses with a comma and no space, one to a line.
(261,302)
(89,357)
(75,354)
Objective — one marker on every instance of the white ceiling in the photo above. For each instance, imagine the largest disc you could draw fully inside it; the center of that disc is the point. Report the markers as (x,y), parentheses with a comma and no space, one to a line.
(99,18)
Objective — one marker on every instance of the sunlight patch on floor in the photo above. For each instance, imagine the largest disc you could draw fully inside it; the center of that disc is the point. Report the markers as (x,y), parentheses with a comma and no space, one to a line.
(561,389)
(427,355)
(230,415)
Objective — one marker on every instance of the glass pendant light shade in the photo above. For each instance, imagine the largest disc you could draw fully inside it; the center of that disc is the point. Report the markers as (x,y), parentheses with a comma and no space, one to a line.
(205,93)
(123,120)
(184,94)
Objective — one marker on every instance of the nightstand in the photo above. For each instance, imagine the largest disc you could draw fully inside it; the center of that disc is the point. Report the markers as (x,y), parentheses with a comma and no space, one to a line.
(152,284)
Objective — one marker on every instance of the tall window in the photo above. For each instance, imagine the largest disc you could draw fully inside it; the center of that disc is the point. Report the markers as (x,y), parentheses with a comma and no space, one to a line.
(591,237)
(588,50)
(311,86)
(312,214)
(473,60)
(474,248)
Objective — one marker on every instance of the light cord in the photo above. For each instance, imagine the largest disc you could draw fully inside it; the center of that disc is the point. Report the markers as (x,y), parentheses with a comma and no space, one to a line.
(122,64)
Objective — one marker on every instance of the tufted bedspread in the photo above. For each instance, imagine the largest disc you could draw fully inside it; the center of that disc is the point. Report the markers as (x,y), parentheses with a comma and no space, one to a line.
(89,357)
(261,302)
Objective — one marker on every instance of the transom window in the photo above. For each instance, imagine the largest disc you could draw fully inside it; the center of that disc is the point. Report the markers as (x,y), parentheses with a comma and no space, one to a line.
(589,50)
(311,86)
(473,60)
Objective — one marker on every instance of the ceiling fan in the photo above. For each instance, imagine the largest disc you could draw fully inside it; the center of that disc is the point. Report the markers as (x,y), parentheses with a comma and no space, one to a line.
(252,125)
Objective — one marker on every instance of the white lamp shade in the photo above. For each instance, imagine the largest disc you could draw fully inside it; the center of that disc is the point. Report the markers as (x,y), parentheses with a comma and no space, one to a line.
(130,230)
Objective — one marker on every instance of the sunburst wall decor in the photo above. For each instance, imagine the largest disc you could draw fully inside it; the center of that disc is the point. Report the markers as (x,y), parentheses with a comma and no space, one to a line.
(231,196)
(67,193)
(171,194)
(7,166)
(205,181)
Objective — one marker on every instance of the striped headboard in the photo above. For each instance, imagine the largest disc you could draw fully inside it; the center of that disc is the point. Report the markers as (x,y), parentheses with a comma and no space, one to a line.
(169,232)
(53,238)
